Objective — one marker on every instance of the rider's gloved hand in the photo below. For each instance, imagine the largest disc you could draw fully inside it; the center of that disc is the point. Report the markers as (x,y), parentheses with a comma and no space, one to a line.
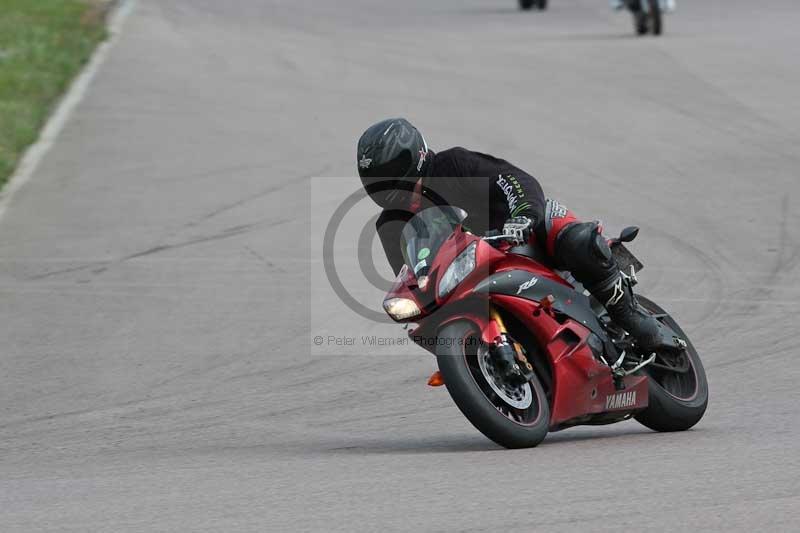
(518,229)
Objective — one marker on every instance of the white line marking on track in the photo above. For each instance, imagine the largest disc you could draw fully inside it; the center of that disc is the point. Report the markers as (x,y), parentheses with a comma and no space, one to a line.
(55,124)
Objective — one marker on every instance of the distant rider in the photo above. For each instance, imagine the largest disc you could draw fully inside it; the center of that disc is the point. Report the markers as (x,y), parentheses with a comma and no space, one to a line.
(401,174)
(634,5)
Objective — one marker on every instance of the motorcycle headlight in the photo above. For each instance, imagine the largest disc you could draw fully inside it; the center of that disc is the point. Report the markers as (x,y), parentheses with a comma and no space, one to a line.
(462,265)
(400,308)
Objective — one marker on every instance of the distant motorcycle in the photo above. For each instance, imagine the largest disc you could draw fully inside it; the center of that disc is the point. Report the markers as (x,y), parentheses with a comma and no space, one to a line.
(523,349)
(541,5)
(647,14)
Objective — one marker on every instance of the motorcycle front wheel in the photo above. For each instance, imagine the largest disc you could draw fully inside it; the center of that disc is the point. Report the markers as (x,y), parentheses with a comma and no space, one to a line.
(512,415)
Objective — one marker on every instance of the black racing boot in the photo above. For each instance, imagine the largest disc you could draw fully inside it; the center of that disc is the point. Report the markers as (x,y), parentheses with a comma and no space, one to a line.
(620,302)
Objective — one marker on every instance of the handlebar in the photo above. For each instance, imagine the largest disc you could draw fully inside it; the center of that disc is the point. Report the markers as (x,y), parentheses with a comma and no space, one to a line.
(515,231)
(496,239)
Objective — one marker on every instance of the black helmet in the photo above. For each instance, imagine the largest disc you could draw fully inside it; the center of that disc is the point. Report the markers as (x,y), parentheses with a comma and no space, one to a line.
(391,157)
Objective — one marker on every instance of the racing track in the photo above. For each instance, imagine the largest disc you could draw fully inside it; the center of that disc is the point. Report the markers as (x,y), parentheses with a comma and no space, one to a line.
(158,293)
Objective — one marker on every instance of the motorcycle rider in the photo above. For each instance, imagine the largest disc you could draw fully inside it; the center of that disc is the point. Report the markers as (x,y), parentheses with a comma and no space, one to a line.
(666,5)
(401,174)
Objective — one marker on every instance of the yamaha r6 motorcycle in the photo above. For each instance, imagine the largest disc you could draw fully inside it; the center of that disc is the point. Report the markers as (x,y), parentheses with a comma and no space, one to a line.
(523,349)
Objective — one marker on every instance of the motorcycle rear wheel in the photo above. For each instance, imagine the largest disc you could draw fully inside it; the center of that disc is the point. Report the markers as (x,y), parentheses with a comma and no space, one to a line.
(482,403)
(654,14)
(677,400)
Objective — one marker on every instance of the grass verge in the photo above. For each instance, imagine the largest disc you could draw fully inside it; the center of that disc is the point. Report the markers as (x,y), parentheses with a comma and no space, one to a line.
(43,45)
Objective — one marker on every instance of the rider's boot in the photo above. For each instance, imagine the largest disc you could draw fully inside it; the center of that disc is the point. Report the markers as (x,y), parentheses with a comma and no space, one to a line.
(620,302)
(581,249)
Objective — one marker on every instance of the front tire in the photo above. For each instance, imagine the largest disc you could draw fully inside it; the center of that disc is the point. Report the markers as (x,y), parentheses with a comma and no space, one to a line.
(677,400)
(526,4)
(459,352)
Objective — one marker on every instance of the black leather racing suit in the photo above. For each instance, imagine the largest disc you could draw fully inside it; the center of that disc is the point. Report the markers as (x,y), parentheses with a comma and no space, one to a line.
(489,189)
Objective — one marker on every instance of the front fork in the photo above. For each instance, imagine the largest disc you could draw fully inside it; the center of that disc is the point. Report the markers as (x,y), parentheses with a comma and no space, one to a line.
(508,353)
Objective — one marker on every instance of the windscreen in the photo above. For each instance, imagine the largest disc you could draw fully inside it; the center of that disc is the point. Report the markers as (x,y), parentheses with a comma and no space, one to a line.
(424,234)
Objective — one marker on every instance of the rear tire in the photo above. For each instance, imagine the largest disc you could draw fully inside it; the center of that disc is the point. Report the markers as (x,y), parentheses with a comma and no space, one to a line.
(458,347)
(526,4)
(673,408)
(654,16)
(541,4)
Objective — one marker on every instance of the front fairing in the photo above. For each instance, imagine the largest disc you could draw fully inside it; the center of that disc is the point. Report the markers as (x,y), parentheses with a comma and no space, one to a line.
(432,240)
(423,288)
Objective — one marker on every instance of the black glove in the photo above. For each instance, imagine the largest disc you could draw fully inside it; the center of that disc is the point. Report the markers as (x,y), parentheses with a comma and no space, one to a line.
(518,229)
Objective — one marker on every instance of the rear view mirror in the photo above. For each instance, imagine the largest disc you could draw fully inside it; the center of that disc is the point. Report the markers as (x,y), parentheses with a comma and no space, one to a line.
(628,234)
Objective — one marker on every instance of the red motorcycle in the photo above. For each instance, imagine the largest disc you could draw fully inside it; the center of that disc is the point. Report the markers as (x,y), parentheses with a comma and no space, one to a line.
(523,349)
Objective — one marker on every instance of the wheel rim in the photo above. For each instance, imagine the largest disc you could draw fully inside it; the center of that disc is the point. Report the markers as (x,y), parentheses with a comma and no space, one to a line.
(679,383)
(676,374)
(516,395)
(519,403)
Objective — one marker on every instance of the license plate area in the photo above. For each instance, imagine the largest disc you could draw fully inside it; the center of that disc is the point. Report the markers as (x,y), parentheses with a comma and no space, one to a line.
(625,259)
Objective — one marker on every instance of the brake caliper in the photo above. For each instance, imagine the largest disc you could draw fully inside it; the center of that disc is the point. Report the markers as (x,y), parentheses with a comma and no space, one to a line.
(509,359)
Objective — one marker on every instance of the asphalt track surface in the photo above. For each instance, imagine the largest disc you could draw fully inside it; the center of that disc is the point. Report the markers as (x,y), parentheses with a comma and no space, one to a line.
(160,282)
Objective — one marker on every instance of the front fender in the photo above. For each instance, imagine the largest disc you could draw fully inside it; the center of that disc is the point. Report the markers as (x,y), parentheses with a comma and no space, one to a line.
(476,311)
